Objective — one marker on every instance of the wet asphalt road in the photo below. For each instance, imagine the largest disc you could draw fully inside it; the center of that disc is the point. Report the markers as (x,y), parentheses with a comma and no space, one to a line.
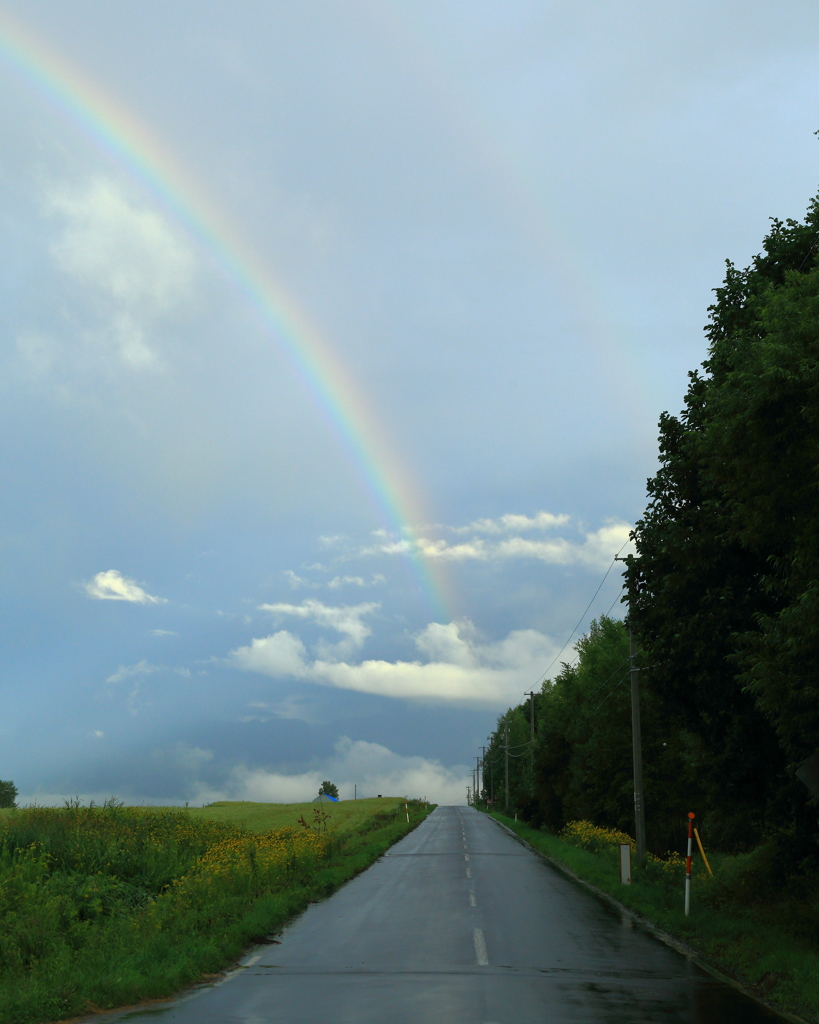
(461,924)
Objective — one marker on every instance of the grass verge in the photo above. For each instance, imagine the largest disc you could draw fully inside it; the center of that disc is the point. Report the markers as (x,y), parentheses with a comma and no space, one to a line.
(107,907)
(758,945)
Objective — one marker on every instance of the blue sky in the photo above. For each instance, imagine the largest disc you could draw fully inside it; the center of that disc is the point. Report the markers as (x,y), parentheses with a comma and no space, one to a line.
(505,221)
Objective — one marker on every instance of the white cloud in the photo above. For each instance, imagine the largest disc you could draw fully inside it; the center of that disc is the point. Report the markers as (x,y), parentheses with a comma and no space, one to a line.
(129,262)
(281,654)
(113,586)
(459,667)
(370,767)
(341,581)
(344,619)
(142,668)
(594,549)
(130,253)
(512,522)
(127,672)
(162,632)
(296,581)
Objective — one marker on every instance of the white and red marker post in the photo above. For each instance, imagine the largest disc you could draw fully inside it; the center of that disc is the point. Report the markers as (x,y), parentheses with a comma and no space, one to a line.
(688,863)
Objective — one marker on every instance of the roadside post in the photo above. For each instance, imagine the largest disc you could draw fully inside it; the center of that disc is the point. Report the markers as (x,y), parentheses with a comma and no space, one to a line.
(625,863)
(688,863)
(506,770)
(702,851)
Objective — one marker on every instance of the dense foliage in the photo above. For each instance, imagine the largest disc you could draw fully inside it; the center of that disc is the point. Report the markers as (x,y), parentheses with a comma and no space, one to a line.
(723,595)
(580,768)
(725,584)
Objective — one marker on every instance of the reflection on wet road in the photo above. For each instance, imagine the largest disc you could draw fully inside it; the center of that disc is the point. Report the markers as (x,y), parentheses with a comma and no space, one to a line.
(461,924)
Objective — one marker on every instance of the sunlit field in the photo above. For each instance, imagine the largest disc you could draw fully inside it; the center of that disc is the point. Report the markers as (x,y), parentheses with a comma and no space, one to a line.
(346,815)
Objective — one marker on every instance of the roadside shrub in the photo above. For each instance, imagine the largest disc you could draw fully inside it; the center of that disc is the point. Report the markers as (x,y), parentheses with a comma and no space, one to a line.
(68,876)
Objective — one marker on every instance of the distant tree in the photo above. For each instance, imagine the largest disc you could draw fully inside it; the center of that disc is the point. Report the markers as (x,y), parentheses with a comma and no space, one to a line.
(8,794)
(329,789)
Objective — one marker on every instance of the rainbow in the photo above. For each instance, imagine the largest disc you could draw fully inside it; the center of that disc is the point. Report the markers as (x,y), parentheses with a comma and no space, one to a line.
(119,134)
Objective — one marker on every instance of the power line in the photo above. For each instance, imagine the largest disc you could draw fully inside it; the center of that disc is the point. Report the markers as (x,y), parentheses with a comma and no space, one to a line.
(603,701)
(583,616)
(614,602)
(611,676)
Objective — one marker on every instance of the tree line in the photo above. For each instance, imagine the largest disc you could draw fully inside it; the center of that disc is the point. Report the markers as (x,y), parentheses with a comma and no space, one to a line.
(722,597)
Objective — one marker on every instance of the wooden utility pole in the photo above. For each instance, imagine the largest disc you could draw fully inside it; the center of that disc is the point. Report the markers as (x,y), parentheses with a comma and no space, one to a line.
(483,769)
(636,746)
(637,752)
(506,768)
(531,695)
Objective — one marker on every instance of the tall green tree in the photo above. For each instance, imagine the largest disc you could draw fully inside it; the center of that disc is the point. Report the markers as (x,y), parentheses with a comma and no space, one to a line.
(583,767)
(724,588)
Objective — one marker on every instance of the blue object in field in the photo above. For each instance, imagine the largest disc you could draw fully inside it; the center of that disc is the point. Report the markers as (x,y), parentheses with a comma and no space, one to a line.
(333,798)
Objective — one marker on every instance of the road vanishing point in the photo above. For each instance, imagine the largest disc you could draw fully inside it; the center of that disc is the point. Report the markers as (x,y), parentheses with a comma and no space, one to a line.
(460,923)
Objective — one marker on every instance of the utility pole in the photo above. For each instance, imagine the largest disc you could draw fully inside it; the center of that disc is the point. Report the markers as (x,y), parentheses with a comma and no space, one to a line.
(636,745)
(483,767)
(530,694)
(637,751)
(506,768)
(477,778)
(491,772)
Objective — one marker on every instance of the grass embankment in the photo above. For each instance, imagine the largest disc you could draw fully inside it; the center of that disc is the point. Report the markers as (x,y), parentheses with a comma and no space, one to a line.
(103,907)
(767,941)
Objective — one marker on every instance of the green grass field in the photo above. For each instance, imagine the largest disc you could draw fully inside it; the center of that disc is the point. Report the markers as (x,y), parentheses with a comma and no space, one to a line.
(170,896)
(345,816)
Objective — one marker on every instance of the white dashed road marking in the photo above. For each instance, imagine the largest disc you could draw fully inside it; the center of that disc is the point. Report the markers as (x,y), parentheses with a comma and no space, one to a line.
(480,947)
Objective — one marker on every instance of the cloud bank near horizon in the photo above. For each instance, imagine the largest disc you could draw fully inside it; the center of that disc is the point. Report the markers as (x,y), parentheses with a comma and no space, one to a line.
(356,766)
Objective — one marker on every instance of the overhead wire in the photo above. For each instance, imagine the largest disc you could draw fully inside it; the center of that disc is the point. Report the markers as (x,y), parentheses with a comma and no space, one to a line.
(500,749)
(583,616)
(603,701)
(600,687)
